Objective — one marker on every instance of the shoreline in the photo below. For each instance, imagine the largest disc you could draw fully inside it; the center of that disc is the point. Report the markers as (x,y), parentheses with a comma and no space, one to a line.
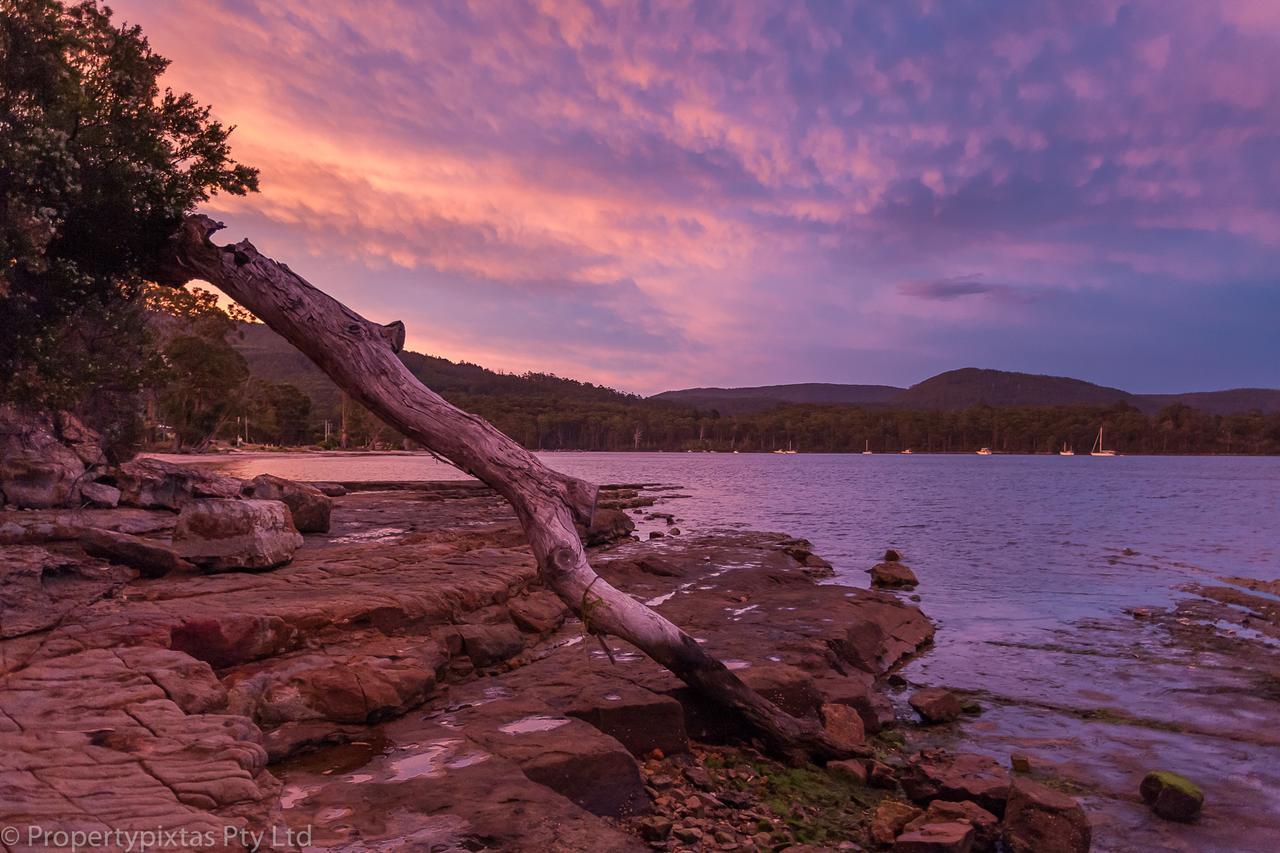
(330,612)
(410,651)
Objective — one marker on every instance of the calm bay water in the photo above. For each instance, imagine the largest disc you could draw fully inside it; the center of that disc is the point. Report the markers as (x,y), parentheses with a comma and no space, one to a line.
(1000,540)
(1027,565)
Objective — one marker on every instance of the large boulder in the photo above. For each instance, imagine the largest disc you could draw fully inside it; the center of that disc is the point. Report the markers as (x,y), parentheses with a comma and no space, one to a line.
(1171,796)
(224,535)
(1042,820)
(155,484)
(935,774)
(40,469)
(310,507)
(608,525)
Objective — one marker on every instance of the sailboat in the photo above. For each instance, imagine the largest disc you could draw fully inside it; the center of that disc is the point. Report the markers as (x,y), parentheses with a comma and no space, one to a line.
(1066,451)
(789,451)
(867,450)
(1097,447)
(986,451)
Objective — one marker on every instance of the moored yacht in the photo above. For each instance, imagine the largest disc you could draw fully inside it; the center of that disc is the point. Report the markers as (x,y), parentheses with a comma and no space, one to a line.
(1097,447)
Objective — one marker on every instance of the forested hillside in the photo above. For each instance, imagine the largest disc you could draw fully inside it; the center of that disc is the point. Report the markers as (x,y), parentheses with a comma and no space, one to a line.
(552,413)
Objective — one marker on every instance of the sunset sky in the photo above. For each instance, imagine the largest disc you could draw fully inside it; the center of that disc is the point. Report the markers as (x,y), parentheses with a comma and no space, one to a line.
(660,195)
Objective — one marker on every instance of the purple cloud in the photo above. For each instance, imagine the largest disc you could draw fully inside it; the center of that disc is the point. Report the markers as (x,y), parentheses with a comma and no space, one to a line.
(697,187)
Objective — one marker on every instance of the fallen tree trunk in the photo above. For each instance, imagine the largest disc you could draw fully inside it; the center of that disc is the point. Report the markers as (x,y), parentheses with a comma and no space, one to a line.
(360,358)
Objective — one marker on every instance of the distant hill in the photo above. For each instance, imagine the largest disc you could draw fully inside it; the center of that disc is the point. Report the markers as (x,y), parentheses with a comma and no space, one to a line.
(736,400)
(272,357)
(971,386)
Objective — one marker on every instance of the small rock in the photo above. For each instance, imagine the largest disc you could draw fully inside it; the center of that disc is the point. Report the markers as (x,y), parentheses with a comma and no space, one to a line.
(1171,796)
(892,576)
(986,826)
(1042,820)
(890,818)
(699,777)
(892,556)
(1020,762)
(151,559)
(936,705)
(946,837)
(661,782)
(851,769)
(654,828)
(688,834)
(673,531)
(656,534)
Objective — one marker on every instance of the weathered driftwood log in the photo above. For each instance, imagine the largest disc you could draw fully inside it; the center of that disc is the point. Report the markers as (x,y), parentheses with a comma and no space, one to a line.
(360,357)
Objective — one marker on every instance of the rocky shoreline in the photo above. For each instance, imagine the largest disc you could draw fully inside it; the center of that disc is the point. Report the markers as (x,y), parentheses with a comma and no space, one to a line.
(402,681)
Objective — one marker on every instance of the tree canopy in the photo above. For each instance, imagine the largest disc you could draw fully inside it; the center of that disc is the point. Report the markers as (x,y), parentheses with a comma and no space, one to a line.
(98,165)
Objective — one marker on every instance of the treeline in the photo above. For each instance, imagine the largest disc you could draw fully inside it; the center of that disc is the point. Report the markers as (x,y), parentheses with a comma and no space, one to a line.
(559,424)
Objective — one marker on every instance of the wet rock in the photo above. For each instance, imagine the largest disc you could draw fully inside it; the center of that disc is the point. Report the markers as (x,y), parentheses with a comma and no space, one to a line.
(892,556)
(565,754)
(843,726)
(945,837)
(152,559)
(673,531)
(1171,796)
(656,534)
(936,705)
(332,490)
(224,535)
(639,719)
(1020,762)
(608,526)
(791,689)
(154,484)
(539,612)
(892,576)
(37,470)
(890,817)
(986,826)
(1042,820)
(309,506)
(935,774)
(487,645)
(100,495)
(851,769)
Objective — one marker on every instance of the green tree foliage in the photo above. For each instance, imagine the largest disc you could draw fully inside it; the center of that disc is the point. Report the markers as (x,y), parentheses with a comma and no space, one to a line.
(97,167)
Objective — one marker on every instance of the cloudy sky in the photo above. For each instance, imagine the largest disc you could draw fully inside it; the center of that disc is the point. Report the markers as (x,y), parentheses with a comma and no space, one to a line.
(659,195)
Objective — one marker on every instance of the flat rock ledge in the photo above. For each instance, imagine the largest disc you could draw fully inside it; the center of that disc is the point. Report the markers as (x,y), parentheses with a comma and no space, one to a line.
(403,682)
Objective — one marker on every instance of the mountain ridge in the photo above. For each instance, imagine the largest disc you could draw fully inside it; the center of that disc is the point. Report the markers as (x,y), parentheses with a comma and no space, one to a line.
(271,357)
(972,386)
